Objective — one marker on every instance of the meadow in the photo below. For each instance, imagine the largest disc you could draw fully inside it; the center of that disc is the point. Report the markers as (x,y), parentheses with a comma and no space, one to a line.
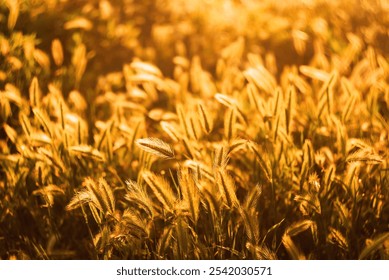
(208,129)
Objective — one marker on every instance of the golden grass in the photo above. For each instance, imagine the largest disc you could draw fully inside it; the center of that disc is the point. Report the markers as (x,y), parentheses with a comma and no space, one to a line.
(214,130)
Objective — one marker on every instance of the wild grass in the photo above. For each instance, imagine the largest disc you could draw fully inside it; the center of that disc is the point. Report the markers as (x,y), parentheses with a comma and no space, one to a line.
(194,130)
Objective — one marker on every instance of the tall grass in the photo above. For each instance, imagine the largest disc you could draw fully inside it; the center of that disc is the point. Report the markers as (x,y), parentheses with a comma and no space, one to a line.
(194,130)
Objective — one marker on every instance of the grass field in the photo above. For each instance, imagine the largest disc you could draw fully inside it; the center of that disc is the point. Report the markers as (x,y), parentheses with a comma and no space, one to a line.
(208,129)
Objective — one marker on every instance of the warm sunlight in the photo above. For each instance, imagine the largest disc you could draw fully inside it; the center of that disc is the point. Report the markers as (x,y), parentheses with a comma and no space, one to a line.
(210,129)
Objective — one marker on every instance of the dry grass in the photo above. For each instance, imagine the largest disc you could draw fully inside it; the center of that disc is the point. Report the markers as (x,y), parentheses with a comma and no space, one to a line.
(194,129)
